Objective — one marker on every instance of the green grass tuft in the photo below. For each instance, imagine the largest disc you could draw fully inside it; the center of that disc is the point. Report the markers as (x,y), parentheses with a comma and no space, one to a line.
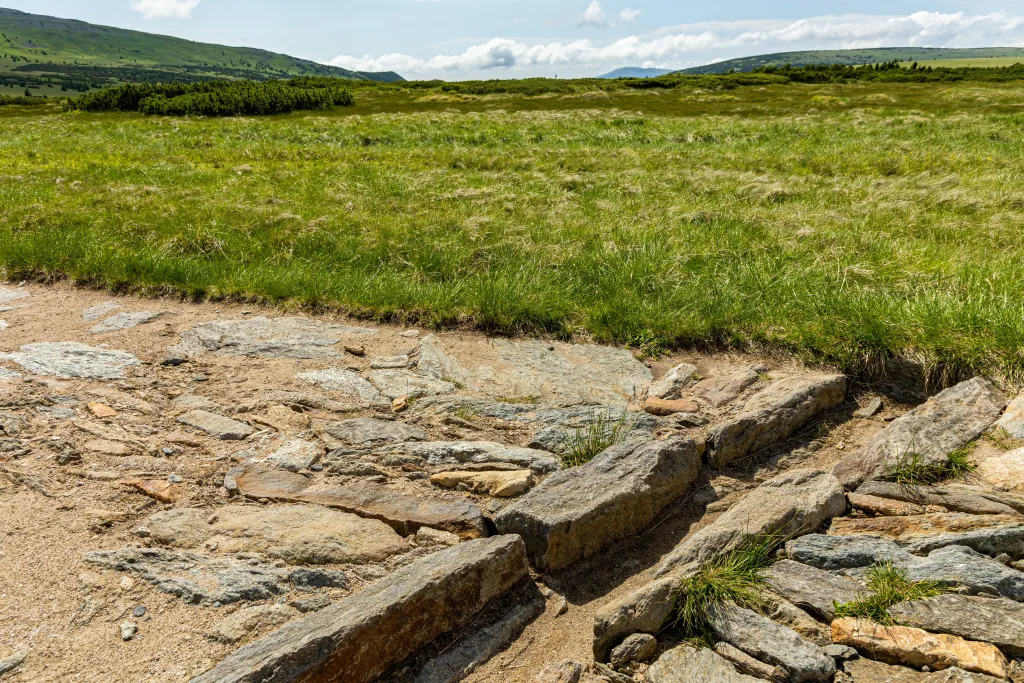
(890,587)
(587,442)
(911,469)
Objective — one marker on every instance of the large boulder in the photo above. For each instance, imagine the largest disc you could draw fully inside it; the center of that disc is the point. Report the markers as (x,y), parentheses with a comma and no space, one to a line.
(991,620)
(790,504)
(772,415)
(575,513)
(813,589)
(946,422)
(359,638)
(687,664)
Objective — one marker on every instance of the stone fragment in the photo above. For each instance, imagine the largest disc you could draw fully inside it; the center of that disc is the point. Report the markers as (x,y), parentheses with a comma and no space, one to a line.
(403,513)
(313,604)
(869,409)
(269,338)
(906,530)
(575,513)
(250,621)
(687,664)
(1004,471)
(309,579)
(293,455)
(157,489)
(216,425)
(811,588)
(1013,419)
(96,312)
(990,620)
(840,653)
(8,375)
(868,671)
(644,610)
(673,382)
(500,484)
(7,295)
(194,402)
(124,321)
(767,641)
(663,407)
(345,381)
(282,418)
(13,661)
(196,578)
(426,537)
(368,430)
(72,359)
(783,612)
(746,664)
(874,505)
(772,415)
(918,648)
(105,447)
(956,498)
(726,388)
(946,422)
(638,647)
(792,503)
(390,363)
(448,453)
(128,630)
(396,383)
(297,534)
(566,671)
(407,610)
(100,410)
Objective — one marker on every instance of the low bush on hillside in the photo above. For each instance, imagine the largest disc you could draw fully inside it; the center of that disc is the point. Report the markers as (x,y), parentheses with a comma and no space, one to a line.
(218,98)
(20,99)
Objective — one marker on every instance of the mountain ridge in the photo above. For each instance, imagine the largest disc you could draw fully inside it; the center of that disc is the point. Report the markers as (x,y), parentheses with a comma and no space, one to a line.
(853,57)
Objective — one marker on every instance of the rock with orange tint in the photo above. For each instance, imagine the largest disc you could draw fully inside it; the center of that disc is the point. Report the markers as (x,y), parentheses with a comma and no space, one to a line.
(157,489)
(664,407)
(913,527)
(917,648)
(874,505)
(101,410)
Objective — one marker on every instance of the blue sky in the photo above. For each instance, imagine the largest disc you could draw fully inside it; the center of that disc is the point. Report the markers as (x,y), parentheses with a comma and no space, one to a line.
(454,39)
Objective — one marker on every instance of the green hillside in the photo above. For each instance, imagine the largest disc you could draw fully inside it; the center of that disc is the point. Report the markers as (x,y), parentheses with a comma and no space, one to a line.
(52,56)
(866,56)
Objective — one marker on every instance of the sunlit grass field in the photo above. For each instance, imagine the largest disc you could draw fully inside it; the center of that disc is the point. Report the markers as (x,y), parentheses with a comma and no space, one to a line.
(847,223)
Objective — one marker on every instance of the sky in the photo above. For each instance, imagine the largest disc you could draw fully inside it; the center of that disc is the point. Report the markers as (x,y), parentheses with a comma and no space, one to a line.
(461,39)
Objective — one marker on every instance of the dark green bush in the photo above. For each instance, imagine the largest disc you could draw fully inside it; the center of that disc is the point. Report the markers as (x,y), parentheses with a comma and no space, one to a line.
(19,99)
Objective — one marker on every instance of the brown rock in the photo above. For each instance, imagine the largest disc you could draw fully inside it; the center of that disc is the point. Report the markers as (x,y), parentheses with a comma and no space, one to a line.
(101,410)
(664,407)
(106,447)
(399,404)
(873,505)
(103,518)
(904,529)
(863,670)
(566,671)
(917,648)
(500,484)
(726,388)
(955,497)
(157,489)
(283,419)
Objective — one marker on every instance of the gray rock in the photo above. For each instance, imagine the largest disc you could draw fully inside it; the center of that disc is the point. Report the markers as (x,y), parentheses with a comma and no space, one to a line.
(670,386)
(216,425)
(406,610)
(313,604)
(1013,419)
(456,663)
(7,375)
(946,422)
(124,321)
(990,620)
(687,664)
(991,542)
(566,671)
(792,503)
(862,670)
(575,513)
(767,641)
(724,389)
(310,579)
(840,653)
(774,414)
(746,664)
(811,588)
(7,295)
(269,338)
(13,661)
(345,381)
(128,630)
(196,578)
(249,621)
(193,402)
(72,359)
(956,498)
(293,455)
(870,409)
(365,430)
(644,610)
(845,552)
(395,383)
(390,363)
(638,647)
(447,453)
(99,310)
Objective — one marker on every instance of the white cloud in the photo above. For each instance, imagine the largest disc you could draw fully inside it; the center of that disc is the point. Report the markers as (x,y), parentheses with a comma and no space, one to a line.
(629,14)
(593,15)
(164,9)
(691,44)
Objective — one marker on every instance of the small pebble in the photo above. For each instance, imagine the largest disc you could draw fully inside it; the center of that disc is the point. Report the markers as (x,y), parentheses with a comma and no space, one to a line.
(127,583)
(411,333)
(128,630)
(175,479)
(200,378)
(316,467)
(167,450)
(139,611)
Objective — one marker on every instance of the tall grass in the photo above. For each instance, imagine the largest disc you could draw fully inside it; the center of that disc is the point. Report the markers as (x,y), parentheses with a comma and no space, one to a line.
(888,587)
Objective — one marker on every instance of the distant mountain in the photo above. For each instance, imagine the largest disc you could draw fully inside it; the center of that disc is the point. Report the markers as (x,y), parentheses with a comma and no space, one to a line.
(60,56)
(866,56)
(636,72)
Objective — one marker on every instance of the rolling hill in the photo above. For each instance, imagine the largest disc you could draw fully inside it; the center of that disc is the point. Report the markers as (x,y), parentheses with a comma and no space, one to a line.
(853,57)
(52,56)
(635,72)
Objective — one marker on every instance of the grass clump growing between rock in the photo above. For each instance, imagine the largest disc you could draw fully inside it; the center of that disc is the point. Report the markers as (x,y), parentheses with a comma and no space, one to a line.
(736,576)
(587,442)
(890,586)
(911,469)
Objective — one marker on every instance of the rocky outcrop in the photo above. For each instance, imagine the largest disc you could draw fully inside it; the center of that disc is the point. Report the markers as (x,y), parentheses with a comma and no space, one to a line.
(687,664)
(405,611)
(953,497)
(267,337)
(810,588)
(644,610)
(368,430)
(72,359)
(991,620)
(946,422)
(918,648)
(575,513)
(772,415)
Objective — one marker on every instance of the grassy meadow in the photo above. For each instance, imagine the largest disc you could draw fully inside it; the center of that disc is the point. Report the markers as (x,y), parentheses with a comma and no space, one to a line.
(848,223)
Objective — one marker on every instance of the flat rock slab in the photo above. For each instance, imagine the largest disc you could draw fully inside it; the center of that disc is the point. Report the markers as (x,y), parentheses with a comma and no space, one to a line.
(124,321)
(197,578)
(990,620)
(792,503)
(670,385)
(297,534)
(405,514)
(449,453)
(812,589)
(687,664)
(550,370)
(988,534)
(774,414)
(292,455)
(1013,419)
(718,391)
(8,375)
(955,498)
(249,621)
(72,359)
(863,670)
(918,648)
(368,430)
(267,338)
(216,425)
(499,483)
(395,383)
(575,513)
(944,423)
(359,638)
(346,382)
(96,312)
(7,295)
(1004,471)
